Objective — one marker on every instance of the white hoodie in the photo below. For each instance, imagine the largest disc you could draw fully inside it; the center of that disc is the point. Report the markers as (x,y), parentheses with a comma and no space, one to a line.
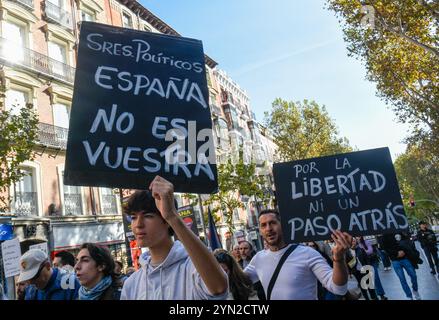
(174,279)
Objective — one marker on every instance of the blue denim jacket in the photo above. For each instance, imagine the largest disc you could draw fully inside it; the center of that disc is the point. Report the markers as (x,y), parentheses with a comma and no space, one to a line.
(54,289)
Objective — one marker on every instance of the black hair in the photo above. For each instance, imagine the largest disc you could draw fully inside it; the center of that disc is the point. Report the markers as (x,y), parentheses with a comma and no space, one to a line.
(240,284)
(142,200)
(119,263)
(66,258)
(102,256)
(273,211)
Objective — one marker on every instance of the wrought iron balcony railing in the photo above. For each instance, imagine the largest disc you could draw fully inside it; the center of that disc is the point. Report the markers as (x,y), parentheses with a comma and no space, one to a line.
(25,204)
(215,109)
(58,15)
(52,136)
(109,205)
(15,54)
(72,204)
(27,3)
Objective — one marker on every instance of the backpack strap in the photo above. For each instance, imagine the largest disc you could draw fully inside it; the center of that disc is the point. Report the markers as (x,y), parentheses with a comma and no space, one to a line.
(277,270)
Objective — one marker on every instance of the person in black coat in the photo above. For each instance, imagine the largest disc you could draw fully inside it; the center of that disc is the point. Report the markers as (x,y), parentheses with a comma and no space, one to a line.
(404,257)
(427,239)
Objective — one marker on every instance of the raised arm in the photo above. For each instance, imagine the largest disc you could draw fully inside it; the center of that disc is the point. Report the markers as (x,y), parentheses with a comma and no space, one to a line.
(205,263)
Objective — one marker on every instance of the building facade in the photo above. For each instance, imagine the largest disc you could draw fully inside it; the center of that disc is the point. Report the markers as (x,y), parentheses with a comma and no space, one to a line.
(38,51)
(257,145)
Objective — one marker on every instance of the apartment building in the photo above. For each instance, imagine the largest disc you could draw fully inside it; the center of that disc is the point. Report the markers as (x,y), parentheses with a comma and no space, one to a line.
(38,51)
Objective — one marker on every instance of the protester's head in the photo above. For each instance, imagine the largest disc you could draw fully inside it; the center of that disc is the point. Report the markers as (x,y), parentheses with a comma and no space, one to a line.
(235,252)
(20,289)
(93,263)
(354,243)
(239,283)
(35,268)
(118,267)
(147,223)
(245,250)
(63,258)
(270,227)
(423,225)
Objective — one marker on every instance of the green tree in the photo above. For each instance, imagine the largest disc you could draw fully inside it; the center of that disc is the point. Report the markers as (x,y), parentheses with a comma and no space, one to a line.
(398,43)
(235,179)
(418,176)
(304,130)
(18,134)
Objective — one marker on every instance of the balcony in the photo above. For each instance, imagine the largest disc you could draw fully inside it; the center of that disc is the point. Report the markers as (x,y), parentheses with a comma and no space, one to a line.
(28,4)
(109,205)
(57,15)
(72,204)
(15,54)
(52,136)
(215,109)
(25,204)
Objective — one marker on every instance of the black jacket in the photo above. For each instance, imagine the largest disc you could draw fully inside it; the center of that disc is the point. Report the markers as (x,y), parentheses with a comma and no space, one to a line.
(391,246)
(427,238)
(112,292)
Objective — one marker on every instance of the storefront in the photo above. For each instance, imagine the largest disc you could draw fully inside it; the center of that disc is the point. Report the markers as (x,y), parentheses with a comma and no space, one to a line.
(29,231)
(70,237)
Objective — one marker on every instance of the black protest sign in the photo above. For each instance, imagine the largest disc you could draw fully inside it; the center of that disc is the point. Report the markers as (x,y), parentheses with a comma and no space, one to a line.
(140,109)
(188,216)
(355,192)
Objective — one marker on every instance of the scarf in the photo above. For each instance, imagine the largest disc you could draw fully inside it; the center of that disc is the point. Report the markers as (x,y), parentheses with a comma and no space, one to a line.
(97,291)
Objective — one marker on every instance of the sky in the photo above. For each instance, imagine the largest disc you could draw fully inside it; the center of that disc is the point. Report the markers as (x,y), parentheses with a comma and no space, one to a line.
(292,49)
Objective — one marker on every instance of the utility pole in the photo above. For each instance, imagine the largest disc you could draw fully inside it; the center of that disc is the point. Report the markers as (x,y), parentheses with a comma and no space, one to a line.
(200,203)
(126,231)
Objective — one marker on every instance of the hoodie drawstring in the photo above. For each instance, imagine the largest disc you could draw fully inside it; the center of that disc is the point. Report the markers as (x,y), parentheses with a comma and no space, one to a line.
(161,285)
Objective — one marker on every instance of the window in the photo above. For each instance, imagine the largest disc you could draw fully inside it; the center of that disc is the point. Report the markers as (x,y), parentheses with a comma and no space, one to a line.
(234,117)
(236,217)
(212,98)
(87,16)
(58,3)
(108,201)
(209,81)
(15,100)
(15,37)
(25,195)
(58,54)
(61,114)
(127,21)
(72,200)
(146,28)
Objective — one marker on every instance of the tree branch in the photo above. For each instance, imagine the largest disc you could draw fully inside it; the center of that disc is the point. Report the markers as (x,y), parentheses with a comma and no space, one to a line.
(401,34)
(429,8)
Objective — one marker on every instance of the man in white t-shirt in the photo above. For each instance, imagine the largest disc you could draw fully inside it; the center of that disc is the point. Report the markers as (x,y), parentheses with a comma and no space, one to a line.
(297,279)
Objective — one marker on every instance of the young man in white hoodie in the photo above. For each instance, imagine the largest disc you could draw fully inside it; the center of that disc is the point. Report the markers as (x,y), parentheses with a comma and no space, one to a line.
(180,270)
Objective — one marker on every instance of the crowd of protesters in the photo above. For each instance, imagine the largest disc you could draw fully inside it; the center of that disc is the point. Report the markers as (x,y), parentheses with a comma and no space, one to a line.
(186,269)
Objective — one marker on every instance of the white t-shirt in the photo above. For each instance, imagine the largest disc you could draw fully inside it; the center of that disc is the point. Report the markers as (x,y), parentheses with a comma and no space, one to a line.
(297,279)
